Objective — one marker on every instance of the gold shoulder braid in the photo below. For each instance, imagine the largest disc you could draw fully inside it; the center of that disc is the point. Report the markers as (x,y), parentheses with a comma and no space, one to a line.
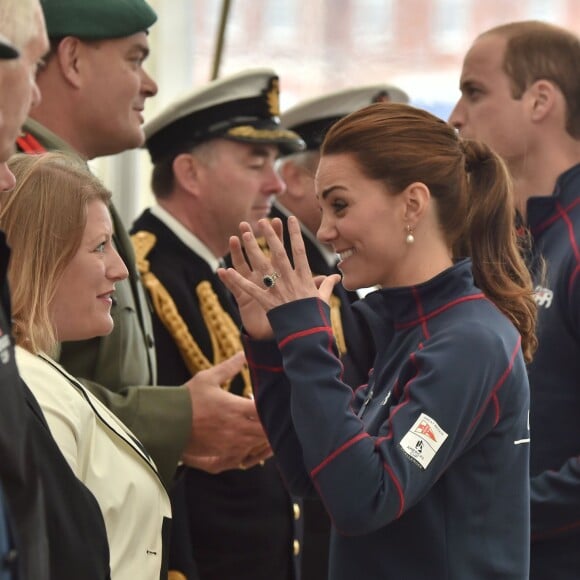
(336,323)
(225,336)
(263,244)
(335,317)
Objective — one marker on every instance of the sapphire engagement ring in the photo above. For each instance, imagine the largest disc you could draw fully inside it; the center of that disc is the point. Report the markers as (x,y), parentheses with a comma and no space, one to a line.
(270,279)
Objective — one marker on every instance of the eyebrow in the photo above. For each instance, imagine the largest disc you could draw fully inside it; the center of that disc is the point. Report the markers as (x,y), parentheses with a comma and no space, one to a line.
(103,235)
(264,151)
(465,84)
(143,49)
(326,192)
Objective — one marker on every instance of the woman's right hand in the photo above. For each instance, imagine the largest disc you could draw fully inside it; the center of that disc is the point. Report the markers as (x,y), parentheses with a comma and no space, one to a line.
(252,312)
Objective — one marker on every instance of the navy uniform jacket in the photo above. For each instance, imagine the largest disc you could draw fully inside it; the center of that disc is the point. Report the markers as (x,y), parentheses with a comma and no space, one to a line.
(240,522)
(424,471)
(555,383)
(120,368)
(58,526)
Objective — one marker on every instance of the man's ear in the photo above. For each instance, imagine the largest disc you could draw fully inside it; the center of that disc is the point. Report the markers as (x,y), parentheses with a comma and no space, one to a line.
(68,56)
(416,198)
(292,175)
(543,95)
(186,172)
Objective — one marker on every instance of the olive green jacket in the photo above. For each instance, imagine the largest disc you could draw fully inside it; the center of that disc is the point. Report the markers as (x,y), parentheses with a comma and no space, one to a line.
(120,369)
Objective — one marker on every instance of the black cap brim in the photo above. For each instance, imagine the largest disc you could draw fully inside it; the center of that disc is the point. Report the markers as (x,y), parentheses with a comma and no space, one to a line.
(7,51)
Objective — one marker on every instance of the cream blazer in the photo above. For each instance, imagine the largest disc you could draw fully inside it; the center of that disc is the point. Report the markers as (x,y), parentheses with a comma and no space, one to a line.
(110,461)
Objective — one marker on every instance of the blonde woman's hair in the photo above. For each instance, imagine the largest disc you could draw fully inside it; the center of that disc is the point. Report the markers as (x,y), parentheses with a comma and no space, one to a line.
(44,218)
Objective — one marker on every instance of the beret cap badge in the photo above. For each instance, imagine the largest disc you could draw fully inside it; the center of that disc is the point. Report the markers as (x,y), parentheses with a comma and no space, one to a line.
(273,97)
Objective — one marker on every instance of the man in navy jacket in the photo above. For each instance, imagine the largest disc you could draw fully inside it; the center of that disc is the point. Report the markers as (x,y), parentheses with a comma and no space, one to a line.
(520,85)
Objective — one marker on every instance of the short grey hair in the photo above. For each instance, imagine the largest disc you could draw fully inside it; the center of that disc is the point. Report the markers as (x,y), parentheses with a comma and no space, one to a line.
(17,21)
(308,160)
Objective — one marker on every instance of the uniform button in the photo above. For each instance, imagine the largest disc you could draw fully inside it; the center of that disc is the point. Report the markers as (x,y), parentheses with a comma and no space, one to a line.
(149,340)
(296,547)
(296,510)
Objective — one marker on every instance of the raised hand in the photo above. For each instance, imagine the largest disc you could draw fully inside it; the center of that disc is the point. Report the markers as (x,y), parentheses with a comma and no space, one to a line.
(252,314)
(261,283)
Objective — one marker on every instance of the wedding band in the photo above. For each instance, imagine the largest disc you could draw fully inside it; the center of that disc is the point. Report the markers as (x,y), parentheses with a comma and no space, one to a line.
(242,467)
(270,279)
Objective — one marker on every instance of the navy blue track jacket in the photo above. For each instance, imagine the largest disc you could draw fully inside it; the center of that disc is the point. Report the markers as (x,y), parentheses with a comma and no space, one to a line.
(554,222)
(424,471)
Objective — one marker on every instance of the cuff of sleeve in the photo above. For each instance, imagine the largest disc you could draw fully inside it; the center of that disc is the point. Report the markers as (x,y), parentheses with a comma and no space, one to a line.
(298,316)
(261,353)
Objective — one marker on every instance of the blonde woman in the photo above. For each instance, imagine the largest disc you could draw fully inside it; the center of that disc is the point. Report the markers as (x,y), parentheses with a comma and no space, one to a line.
(62,275)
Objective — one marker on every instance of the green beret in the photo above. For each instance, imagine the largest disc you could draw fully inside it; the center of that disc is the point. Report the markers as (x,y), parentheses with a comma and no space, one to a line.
(97,19)
(7,51)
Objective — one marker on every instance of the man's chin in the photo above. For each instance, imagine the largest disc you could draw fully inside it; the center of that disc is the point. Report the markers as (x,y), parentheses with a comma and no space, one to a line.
(137,139)
(130,142)
(7,150)
(255,218)
(7,179)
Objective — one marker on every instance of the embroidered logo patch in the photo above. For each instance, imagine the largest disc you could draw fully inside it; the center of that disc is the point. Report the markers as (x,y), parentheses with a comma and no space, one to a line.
(543,296)
(423,440)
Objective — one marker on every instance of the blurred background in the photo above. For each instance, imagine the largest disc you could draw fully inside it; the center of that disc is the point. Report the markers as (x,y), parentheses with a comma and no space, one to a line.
(315,46)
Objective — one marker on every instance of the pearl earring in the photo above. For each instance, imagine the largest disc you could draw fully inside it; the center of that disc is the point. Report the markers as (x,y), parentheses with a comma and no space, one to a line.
(410,239)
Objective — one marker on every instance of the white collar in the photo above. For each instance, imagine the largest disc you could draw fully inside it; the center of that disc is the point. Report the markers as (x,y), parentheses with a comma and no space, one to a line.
(188,238)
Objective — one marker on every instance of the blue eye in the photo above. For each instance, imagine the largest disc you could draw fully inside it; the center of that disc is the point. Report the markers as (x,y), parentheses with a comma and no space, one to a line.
(101,248)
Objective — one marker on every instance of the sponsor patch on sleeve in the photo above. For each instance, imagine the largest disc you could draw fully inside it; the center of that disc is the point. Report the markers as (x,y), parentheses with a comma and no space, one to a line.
(423,440)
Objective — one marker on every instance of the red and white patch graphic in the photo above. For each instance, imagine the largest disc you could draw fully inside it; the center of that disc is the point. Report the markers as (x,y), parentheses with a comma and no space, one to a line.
(426,430)
(423,440)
